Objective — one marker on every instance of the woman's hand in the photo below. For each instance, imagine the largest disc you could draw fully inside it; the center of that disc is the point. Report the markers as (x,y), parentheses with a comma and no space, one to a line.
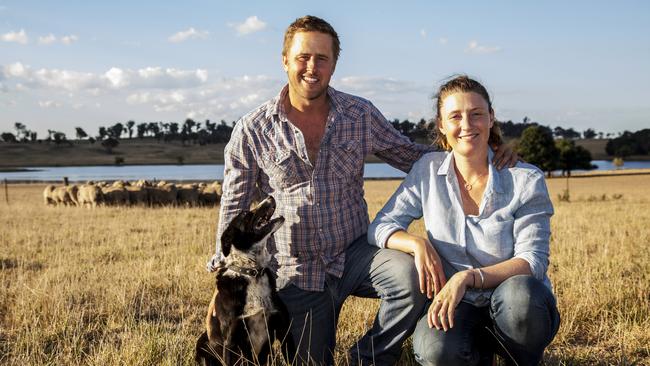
(441,311)
(427,262)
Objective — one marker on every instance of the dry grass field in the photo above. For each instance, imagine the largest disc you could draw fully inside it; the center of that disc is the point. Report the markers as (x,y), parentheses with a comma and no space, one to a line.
(127,286)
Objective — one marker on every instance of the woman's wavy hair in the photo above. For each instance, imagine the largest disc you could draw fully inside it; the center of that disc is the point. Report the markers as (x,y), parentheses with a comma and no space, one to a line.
(462,84)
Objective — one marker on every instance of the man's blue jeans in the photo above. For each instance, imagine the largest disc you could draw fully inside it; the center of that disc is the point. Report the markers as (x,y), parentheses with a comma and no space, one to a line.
(369,272)
(522,315)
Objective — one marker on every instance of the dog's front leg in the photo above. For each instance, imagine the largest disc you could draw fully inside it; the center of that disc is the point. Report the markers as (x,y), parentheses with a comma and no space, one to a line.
(280,324)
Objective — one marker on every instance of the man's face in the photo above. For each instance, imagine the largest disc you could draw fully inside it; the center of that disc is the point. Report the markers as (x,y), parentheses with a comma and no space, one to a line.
(309,63)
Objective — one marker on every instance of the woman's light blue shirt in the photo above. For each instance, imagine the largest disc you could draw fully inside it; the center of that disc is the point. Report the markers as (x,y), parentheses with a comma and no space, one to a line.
(513,220)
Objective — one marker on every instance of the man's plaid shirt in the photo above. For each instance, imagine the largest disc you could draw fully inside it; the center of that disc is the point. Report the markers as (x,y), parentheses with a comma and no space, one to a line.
(322,203)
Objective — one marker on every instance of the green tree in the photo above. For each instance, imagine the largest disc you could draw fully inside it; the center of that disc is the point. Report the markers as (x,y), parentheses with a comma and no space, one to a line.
(109,144)
(116,130)
(81,134)
(8,137)
(60,138)
(101,133)
(142,130)
(129,126)
(589,133)
(20,130)
(537,147)
(572,156)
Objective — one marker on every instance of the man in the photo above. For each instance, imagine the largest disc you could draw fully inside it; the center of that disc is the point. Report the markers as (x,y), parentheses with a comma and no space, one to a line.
(306,147)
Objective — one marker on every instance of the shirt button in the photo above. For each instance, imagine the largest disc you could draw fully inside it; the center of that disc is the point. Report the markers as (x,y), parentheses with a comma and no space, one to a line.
(318,204)
(320,230)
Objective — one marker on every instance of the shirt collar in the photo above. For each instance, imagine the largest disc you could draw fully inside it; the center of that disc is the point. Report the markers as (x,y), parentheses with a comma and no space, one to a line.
(277,103)
(494,180)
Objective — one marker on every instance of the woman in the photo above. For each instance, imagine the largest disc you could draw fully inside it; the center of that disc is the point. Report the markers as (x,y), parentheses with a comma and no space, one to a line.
(486,251)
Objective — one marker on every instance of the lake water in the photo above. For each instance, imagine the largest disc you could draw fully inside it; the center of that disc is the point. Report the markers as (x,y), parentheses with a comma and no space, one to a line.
(199,172)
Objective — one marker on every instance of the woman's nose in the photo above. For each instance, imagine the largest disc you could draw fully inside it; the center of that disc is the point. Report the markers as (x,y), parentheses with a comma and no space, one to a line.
(465,121)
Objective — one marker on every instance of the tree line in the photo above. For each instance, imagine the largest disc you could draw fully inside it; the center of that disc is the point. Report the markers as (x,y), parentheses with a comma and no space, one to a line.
(549,149)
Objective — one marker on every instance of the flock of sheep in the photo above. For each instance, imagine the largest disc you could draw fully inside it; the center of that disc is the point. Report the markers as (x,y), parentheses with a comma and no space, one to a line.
(142,193)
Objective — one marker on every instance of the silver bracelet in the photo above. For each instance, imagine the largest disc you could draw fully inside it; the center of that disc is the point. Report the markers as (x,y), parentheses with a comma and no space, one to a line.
(480,273)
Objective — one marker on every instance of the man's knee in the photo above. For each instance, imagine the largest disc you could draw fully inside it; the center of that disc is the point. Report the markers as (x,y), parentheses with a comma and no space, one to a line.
(401,270)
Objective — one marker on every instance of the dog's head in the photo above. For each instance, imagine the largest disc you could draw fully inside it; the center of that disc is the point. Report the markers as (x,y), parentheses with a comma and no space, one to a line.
(250,229)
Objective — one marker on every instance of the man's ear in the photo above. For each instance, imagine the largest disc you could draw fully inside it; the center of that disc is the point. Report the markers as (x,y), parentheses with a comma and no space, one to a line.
(285,63)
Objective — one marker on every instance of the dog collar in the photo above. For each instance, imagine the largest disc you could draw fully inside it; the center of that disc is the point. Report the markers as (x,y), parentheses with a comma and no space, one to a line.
(253,272)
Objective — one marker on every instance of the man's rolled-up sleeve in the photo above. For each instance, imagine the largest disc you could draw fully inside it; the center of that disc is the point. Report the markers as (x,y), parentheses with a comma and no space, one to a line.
(391,146)
(532,226)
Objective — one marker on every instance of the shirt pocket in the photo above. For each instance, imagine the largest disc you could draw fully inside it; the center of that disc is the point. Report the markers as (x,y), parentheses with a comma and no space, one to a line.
(347,160)
(498,239)
(281,169)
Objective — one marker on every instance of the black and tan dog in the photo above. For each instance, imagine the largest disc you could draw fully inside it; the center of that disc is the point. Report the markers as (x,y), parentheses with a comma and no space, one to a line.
(245,315)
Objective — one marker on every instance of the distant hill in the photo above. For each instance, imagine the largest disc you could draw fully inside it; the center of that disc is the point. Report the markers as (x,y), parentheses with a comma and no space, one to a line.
(134,152)
(150,151)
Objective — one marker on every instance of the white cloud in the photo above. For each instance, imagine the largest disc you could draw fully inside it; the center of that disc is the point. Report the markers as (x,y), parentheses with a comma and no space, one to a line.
(14,70)
(18,37)
(227,98)
(443,41)
(112,80)
(252,24)
(370,86)
(69,39)
(49,104)
(49,39)
(188,34)
(116,77)
(423,33)
(474,47)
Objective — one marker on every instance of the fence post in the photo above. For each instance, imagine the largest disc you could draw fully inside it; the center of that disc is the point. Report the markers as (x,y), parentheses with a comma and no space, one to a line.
(6,192)
(65,181)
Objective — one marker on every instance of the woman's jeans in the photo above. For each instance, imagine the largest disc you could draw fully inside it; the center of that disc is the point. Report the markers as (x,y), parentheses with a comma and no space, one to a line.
(519,323)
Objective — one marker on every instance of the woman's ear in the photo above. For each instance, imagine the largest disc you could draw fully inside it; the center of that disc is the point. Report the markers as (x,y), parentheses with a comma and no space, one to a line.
(491,117)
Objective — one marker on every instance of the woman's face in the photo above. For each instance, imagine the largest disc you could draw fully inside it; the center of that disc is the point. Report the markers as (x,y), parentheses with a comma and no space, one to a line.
(465,119)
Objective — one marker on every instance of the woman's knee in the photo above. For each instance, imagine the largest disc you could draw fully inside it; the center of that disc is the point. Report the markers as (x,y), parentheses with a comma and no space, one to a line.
(524,310)
(436,347)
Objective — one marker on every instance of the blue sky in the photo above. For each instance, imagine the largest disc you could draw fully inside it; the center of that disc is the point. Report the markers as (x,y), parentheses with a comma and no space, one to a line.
(580,64)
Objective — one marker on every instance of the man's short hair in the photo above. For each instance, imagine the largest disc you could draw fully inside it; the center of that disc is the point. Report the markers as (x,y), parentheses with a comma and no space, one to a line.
(310,23)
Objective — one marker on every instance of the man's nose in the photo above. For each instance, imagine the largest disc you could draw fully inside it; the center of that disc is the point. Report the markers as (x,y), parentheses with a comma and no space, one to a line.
(311,64)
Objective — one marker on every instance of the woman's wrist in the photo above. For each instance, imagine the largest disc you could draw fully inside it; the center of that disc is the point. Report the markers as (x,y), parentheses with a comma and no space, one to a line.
(469,279)
(418,244)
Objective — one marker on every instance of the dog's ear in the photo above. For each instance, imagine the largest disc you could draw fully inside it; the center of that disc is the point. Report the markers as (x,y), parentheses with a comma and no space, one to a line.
(226,240)
(231,233)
